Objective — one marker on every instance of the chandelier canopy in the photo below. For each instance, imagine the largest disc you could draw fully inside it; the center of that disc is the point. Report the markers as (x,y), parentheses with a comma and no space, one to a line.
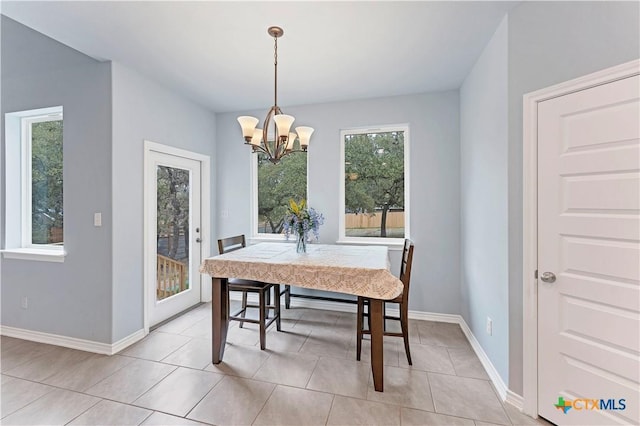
(281,142)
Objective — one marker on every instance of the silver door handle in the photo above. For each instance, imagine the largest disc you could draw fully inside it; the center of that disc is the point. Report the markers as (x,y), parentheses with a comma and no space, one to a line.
(548,277)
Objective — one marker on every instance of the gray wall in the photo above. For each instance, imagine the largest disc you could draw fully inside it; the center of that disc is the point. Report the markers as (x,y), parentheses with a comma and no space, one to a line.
(71,298)
(97,293)
(484,288)
(551,42)
(144,110)
(435,181)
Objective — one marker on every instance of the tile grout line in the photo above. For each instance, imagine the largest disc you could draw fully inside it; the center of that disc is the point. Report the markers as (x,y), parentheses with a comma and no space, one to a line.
(264,404)
(146,418)
(89,408)
(333,400)
(203,397)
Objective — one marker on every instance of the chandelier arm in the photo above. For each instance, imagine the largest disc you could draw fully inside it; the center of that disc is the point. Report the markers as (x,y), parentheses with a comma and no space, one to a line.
(259,149)
(265,132)
(274,110)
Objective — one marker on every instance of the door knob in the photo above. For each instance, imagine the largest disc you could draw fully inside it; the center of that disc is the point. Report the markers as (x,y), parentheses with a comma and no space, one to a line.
(548,277)
(198,240)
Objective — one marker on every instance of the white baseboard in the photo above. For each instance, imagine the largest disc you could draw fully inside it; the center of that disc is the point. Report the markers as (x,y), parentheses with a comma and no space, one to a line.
(127,341)
(499,384)
(515,400)
(71,342)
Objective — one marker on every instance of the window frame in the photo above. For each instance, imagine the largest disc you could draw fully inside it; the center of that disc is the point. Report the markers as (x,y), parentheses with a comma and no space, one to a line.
(391,242)
(261,236)
(18,190)
(26,124)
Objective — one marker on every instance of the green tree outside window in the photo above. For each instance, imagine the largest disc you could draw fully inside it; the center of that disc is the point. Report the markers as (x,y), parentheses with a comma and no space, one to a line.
(374,184)
(277,184)
(47,217)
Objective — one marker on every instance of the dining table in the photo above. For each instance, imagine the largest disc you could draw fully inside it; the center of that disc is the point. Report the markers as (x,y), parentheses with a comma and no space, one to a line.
(359,270)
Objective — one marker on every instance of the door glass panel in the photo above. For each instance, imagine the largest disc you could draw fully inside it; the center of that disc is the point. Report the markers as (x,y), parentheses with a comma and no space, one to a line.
(172,235)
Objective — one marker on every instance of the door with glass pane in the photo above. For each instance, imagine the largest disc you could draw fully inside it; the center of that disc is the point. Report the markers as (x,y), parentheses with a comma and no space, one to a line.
(173,235)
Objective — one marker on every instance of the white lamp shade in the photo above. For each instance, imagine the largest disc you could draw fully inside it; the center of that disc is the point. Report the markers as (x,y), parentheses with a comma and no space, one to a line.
(290,140)
(284,123)
(248,124)
(256,138)
(304,133)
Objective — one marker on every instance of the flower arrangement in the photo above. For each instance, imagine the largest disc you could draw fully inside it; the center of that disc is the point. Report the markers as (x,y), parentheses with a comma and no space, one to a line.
(300,220)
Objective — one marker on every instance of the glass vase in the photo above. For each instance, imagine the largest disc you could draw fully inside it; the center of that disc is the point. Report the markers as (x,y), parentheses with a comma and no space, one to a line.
(301,244)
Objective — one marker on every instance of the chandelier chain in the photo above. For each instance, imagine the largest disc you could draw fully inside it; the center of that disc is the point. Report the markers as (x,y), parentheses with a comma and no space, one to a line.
(275,65)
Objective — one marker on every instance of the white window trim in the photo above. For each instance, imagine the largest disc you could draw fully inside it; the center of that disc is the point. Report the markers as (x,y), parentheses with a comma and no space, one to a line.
(56,254)
(25,249)
(256,236)
(392,243)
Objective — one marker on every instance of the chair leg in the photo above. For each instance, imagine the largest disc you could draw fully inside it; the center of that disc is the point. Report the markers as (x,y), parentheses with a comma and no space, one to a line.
(359,327)
(287,296)
(268,300)
(244,307)
(384,317)
(404,323)
(276,305)
(262,307)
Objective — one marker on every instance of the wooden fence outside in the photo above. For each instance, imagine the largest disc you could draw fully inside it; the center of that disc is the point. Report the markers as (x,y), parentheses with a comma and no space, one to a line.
(365,220)
(171,277)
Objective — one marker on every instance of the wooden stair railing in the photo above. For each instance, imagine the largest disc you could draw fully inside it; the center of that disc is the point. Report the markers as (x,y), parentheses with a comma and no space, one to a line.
(171,277)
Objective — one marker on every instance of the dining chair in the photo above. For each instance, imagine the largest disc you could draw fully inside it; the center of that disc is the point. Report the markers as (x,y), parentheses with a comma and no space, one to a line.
(402,300)
(226,245)
(287,296)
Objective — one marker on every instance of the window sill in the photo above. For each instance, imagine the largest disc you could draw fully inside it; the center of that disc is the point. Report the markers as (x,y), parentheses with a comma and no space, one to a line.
(40,255)
(392,245)
(272,238)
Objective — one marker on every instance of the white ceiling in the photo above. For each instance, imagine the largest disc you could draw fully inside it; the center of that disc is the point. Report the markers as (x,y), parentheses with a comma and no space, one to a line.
(220,55)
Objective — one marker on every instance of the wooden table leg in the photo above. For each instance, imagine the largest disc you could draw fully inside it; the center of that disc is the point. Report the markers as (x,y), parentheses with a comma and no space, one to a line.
(219,317)
(377,326)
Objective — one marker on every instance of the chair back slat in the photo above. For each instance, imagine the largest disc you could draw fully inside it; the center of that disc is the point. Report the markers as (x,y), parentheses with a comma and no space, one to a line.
(405,268)
(225,245)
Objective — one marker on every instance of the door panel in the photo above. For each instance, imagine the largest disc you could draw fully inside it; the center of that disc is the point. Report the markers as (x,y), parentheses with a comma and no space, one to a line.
(173,236)
(589,235)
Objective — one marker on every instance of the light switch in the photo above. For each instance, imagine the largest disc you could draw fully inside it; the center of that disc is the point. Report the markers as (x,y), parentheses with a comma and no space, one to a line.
(97,219)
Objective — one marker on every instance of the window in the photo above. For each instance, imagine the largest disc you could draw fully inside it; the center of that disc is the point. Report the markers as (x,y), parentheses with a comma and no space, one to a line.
(34,171)
(375,185)
(274,186)
(42,180)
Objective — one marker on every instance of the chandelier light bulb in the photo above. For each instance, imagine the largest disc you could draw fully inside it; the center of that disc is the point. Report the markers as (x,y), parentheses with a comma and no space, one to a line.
(290,140)
(283,122)
(304,133)
(248,124)
(257,137)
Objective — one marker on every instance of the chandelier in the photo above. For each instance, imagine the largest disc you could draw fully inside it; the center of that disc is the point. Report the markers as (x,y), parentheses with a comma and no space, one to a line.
(281,142)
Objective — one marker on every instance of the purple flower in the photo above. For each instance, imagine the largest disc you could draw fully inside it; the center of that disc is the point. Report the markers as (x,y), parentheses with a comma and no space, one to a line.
(300,220)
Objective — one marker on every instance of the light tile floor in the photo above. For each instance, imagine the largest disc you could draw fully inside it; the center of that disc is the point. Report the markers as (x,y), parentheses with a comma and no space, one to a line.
(308,375)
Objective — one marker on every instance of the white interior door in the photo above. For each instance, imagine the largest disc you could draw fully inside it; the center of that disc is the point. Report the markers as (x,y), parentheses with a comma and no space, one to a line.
(173,234)
(589,233)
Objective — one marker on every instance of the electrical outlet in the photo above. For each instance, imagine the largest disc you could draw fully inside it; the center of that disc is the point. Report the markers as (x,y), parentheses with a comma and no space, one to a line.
(24,302)
(489,326)
(97,219)
(224,214)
